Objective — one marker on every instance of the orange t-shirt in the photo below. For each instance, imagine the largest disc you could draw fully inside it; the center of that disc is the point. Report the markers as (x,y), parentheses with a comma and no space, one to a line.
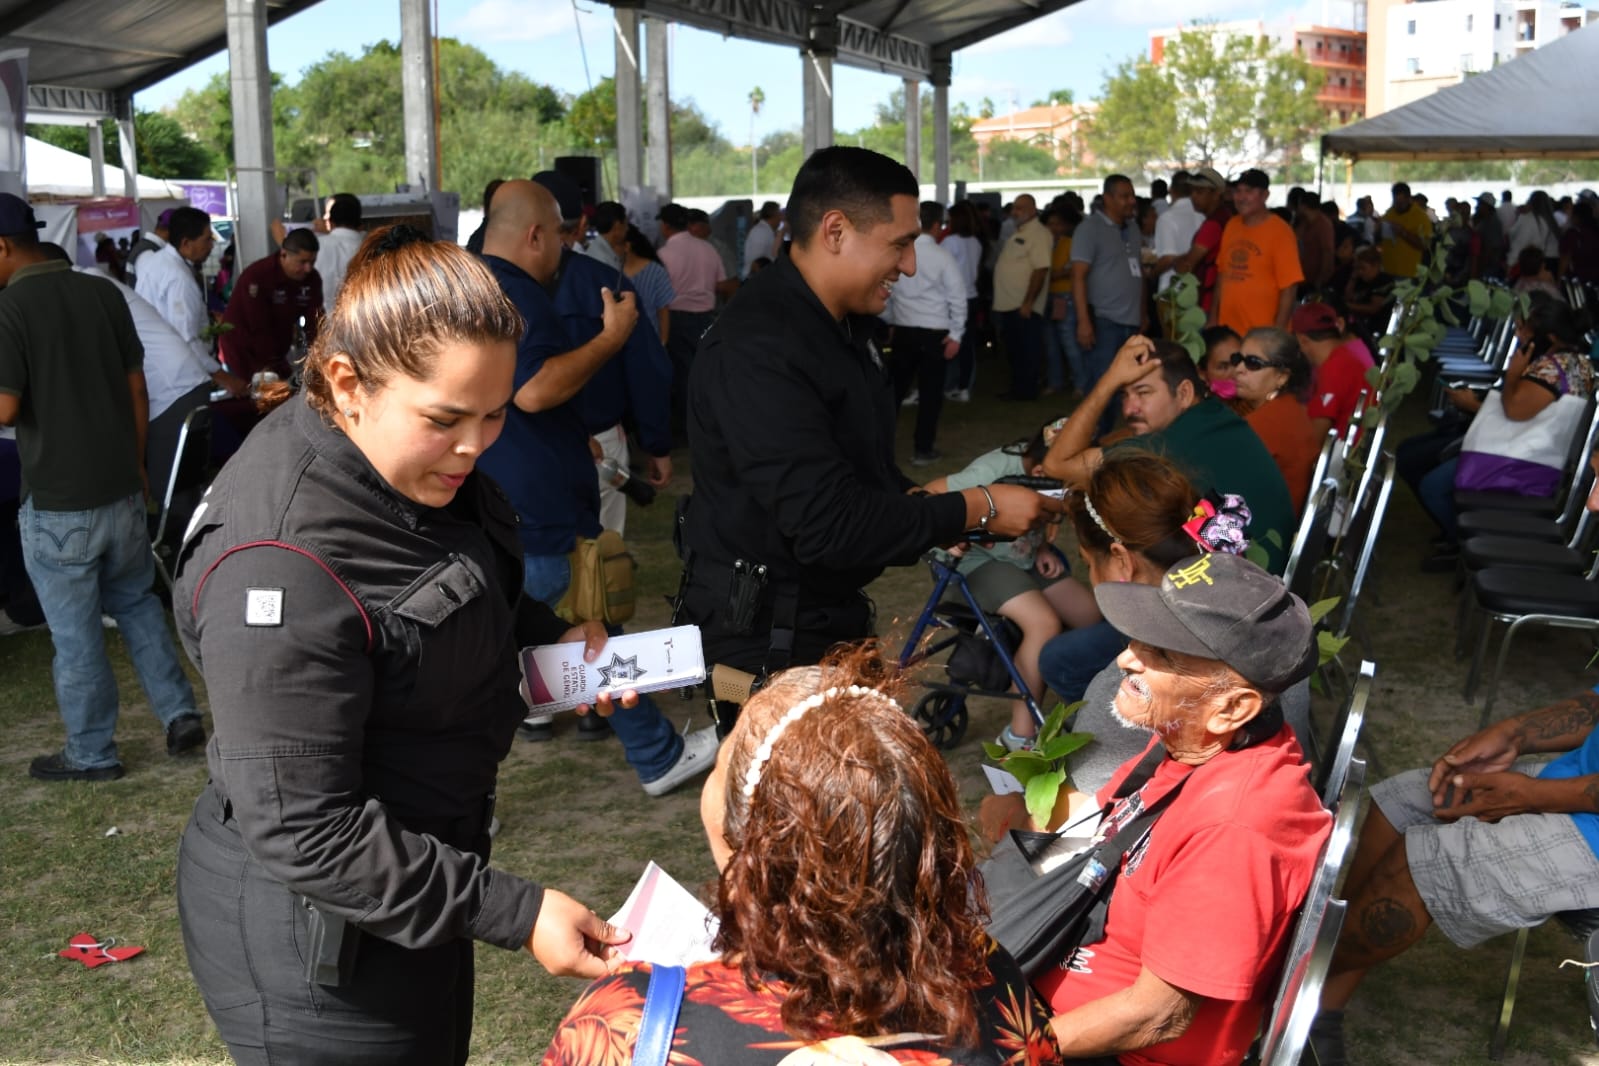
(1283,426)
(1255,264)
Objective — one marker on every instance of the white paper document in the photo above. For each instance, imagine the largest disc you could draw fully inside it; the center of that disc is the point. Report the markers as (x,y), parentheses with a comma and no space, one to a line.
(1003,782)
(558,678)
(669,926)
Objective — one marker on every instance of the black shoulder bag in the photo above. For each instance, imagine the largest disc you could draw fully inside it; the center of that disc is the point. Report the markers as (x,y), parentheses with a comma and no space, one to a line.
(1040,918)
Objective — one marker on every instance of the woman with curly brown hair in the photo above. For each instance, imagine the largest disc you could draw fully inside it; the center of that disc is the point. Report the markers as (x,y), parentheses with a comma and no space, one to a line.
(849,924)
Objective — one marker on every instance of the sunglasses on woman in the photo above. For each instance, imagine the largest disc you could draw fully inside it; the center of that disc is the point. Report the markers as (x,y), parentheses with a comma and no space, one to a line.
(1252,362)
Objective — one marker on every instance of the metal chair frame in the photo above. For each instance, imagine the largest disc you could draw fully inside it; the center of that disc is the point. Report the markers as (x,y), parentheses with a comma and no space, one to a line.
(182,463)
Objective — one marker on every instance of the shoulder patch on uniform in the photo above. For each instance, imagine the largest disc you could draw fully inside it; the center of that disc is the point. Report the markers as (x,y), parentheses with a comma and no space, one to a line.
(263,607)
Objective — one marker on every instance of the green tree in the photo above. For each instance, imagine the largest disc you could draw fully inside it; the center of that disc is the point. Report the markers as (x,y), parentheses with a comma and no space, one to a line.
(1219,99)
(164,149)
(1056,97)
(206,115)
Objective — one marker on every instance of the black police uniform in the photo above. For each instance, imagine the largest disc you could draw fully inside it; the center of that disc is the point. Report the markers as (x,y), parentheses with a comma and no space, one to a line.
(791,425)
(360,654)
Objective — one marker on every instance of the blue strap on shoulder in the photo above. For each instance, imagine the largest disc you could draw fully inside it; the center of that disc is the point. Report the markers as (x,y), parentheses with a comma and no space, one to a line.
(662,1001)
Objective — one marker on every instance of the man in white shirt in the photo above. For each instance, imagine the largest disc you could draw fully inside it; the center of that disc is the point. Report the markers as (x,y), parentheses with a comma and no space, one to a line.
(179,377)
(1175,229)
(928,312)
(338,245)
(166,276)
(761,242)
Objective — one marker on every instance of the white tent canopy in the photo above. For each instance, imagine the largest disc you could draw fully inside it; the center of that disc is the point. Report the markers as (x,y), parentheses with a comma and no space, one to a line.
(1537,106)
(57,172)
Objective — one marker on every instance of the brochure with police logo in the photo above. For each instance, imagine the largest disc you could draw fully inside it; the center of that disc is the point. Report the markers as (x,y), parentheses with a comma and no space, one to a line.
(558,678)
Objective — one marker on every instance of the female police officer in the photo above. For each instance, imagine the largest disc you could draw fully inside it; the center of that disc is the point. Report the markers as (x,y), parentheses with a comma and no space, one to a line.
(350,589)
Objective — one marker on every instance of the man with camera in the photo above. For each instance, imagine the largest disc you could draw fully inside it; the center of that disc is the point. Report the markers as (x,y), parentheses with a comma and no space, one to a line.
(798,503)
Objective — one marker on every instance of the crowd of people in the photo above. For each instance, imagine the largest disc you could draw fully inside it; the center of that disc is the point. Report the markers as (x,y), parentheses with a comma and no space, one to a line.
(420,440)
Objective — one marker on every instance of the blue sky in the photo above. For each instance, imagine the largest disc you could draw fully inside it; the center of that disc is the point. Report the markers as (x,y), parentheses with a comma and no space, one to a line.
(1074,48)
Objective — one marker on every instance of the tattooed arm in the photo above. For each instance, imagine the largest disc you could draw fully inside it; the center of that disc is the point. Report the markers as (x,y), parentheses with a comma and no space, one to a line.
(1472,779)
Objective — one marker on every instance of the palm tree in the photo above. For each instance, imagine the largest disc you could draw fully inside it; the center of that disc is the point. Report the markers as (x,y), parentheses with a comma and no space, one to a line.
(756,98)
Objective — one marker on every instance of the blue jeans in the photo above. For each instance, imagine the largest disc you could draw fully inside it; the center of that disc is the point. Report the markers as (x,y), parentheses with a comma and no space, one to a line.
(1437,492)
(650,743)
(1064,353)
(1070,661)
(83,563)
(1108,338)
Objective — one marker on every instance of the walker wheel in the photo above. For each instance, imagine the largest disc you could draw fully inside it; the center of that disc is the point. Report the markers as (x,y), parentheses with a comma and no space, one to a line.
(942,716)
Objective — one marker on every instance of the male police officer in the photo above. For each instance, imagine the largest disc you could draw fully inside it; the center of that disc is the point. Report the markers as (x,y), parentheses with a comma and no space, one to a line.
(797,502)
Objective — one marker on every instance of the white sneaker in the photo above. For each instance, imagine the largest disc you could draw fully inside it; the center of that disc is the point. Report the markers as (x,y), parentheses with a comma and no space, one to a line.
(960,395)
(8,627)
(911,399)
(537,727)
(699,755)
(1011,742)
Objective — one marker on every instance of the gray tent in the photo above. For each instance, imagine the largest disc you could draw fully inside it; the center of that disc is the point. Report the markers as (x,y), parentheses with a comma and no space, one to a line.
(1538,106)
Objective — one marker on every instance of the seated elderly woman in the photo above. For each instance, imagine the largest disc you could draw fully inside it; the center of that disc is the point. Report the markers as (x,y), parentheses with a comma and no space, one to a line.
(849,924)
(1273,379)
(1200,915)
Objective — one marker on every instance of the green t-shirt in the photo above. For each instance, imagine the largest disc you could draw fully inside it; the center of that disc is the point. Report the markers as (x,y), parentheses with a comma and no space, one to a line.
(1220,454)
(67,346)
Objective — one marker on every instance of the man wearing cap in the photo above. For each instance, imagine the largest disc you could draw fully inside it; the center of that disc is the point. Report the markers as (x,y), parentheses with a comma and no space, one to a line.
(1175,229)
(1201,911)
(1339,362)
(761,241)
(72,383)
(274,297)
(1207,190)
(699,224)
(1258,264)
(696,271)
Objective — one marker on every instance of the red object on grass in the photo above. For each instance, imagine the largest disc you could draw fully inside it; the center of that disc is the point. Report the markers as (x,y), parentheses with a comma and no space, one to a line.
(91,952)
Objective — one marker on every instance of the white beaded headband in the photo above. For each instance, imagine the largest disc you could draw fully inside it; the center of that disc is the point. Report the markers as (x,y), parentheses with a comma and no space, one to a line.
(1098,521)
(763,752)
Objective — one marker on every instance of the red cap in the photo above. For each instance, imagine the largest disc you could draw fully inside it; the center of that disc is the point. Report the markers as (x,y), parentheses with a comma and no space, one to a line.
(1312,318)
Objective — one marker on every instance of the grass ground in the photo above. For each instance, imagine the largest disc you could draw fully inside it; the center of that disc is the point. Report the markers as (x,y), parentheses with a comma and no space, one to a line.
(575,818)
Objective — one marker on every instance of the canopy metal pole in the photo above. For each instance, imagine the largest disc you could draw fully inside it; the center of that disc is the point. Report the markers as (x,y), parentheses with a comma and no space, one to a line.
(629,129)
(421,138)
(97,158)
(941,150)
(658,104)
(913,126)
(250,79)
(130,153)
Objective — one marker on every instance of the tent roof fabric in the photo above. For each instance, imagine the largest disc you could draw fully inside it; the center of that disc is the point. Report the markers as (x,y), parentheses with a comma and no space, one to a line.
(1537,106)
(123,46)
(54,171)
(130,45)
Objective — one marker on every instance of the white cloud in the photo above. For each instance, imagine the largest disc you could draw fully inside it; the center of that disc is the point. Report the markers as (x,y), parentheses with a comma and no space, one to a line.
(1153,14)
(520,20)
(1052,31)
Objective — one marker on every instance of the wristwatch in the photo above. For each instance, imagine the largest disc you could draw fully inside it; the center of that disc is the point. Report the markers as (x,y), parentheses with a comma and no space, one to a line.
(982,523)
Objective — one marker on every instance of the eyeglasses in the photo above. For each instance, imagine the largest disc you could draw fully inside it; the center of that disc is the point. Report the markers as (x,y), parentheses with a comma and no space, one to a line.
(1252,362)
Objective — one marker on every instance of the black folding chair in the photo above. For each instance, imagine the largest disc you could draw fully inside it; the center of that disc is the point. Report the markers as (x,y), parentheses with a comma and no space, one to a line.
(191,467)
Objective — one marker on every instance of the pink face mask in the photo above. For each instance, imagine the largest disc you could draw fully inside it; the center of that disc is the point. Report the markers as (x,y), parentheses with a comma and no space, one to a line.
(1224,388)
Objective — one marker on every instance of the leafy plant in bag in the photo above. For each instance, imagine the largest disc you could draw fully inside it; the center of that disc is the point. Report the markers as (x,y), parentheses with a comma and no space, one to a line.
(1042,768)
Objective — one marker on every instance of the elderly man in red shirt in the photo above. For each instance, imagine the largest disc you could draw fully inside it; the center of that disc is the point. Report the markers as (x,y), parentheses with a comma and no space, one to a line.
(273,296)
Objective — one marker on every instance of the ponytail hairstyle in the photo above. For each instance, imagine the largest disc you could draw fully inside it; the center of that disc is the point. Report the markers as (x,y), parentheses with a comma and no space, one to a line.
(405,298)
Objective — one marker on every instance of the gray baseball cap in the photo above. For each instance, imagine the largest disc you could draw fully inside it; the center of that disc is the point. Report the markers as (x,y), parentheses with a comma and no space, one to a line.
(1220,607)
